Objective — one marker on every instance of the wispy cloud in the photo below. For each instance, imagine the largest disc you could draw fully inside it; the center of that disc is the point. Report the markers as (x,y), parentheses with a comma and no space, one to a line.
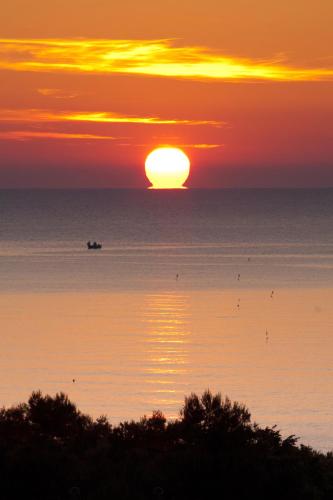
(28,135)
(38,115)
(202,146)
(147,57)
(147,120)
(176,144)
(57,93)
(24,135)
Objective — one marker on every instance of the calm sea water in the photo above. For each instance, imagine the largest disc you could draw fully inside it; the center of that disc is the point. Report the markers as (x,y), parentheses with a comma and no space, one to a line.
(227,289)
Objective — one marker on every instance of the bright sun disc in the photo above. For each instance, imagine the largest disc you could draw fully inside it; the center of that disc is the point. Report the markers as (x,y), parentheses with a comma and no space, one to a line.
(167,168)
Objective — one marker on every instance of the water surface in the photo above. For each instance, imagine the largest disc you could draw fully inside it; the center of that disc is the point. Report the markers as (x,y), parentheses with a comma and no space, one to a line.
(249,313)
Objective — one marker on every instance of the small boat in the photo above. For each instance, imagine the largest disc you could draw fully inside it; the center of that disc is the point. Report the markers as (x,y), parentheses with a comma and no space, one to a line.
(94,246)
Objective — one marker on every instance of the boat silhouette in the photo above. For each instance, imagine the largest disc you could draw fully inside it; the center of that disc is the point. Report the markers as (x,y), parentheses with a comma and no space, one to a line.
(94,246)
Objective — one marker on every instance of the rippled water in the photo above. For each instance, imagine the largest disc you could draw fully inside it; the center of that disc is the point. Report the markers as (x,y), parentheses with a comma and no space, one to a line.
(249,314)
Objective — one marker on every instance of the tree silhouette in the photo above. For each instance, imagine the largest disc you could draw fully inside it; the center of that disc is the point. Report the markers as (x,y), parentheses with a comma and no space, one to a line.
(49,450)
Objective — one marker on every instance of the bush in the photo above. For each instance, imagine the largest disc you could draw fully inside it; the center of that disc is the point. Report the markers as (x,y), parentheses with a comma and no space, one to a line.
(49,450)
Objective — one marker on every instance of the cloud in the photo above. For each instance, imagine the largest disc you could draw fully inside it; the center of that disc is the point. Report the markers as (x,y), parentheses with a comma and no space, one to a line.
(147,57)
(23,135)
(202,146)
(58,93)
(104,117)
(175,144)
(27,135)
(39,115)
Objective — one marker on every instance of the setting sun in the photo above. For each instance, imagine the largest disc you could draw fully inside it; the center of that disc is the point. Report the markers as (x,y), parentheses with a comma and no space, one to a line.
(167,168)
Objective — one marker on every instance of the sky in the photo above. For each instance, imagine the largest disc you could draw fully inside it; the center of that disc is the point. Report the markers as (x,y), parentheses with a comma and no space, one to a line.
(89,88)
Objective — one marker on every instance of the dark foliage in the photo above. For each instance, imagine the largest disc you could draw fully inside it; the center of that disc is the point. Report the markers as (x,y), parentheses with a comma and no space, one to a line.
(49,450)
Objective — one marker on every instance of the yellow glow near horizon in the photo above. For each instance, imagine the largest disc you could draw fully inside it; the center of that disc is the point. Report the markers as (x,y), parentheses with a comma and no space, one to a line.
(167,168)
(147,57)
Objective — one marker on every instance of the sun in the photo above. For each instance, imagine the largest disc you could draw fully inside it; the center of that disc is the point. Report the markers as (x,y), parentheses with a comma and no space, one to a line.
(167,168)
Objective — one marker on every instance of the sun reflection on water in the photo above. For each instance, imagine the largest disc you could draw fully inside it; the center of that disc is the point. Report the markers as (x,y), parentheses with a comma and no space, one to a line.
(166,317)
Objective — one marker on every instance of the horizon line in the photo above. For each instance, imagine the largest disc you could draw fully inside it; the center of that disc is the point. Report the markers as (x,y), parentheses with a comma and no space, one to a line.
(124,188)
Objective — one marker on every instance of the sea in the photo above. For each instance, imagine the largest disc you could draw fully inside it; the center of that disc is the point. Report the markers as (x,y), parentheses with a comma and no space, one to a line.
(221,289)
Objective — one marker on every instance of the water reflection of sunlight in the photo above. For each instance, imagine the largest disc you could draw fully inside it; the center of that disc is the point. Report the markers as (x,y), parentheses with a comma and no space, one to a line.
(166,316)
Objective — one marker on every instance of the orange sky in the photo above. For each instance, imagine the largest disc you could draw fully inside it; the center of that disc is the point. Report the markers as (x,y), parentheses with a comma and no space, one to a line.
(88,89)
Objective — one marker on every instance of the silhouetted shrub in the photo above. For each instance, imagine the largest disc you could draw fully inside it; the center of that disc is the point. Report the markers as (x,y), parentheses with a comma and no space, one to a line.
(49,450)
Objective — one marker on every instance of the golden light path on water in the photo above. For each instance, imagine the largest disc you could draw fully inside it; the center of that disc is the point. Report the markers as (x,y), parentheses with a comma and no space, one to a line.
(168,337)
